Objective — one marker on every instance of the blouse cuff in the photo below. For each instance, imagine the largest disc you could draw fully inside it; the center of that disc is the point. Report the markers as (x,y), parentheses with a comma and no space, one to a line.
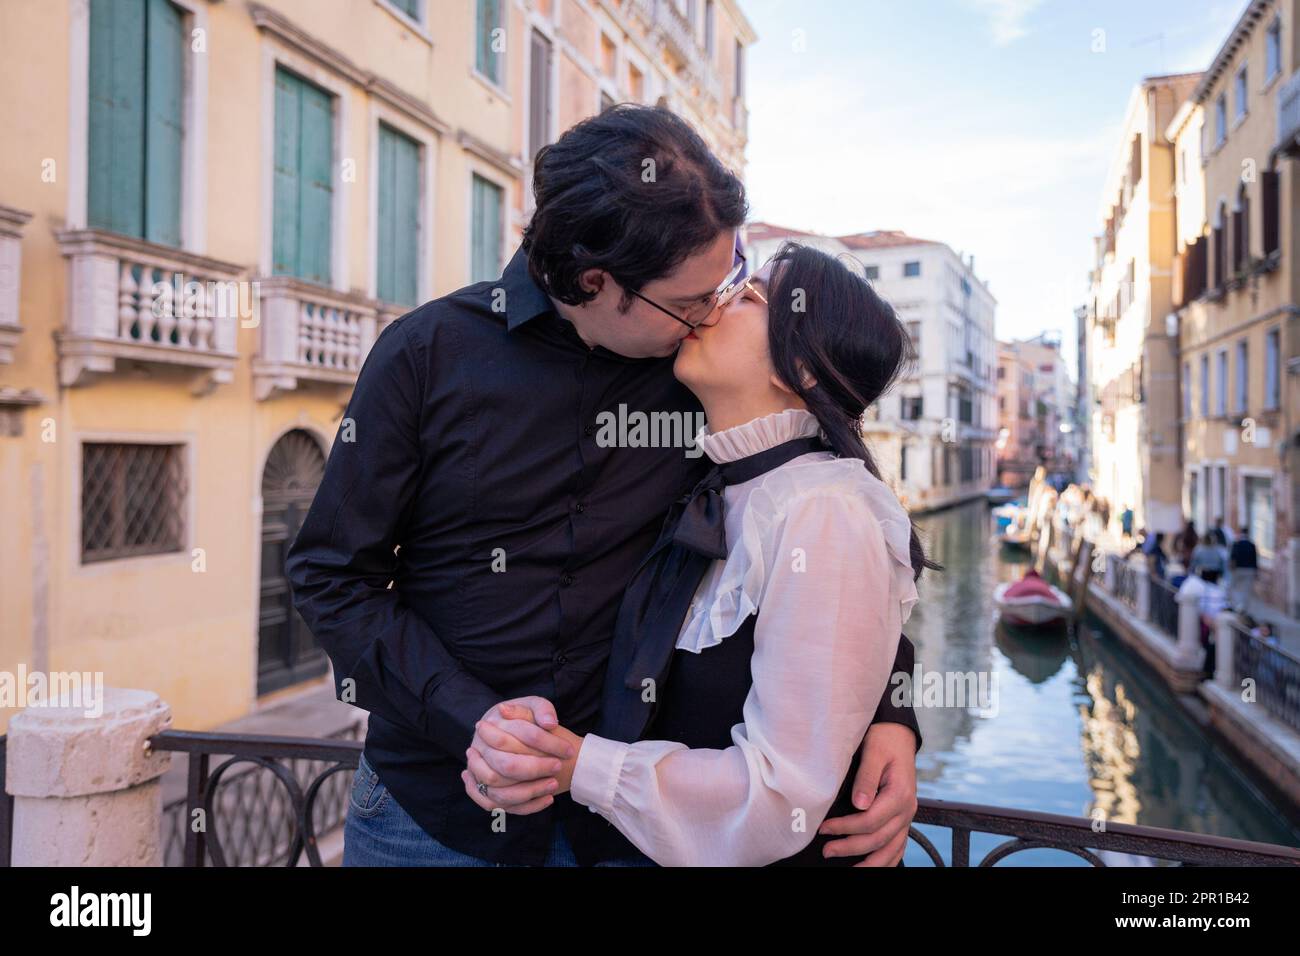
(595,775)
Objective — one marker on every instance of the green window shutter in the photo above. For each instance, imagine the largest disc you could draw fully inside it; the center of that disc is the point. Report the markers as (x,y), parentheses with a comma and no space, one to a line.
(316,184)
(399,217)
(408,221)
(117,116)
(304,179)
(284,229)
(486,60)
(485,237)
(164,76)
(386,265)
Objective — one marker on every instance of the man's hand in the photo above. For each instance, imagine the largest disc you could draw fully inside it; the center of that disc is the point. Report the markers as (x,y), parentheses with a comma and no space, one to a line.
(880,832)
(517,756)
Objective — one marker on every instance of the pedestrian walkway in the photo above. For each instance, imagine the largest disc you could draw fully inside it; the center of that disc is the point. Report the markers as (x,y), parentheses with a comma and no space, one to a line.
(1285,627)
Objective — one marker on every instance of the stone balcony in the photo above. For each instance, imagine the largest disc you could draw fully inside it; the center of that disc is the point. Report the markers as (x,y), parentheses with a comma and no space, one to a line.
(11,231)
(150,306)
(311,334)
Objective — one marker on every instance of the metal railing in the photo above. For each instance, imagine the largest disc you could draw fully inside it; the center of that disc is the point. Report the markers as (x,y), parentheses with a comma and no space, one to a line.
(1125,577)
(264,805)
(1081,837)
(304,767)
(1275,671)
(1163,603)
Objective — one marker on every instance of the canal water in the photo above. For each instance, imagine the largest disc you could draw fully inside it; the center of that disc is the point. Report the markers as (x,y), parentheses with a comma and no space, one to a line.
(1068,722)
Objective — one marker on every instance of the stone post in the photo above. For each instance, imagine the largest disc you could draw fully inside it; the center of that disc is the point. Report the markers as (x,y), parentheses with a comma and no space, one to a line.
(86,792)
(1224,637)
(1190,655)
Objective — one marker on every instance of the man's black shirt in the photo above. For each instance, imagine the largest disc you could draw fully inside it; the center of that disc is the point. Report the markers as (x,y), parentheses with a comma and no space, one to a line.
(477,443)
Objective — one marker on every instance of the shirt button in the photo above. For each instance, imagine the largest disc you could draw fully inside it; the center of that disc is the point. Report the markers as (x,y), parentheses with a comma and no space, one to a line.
(560,660)
(580,507)
(566,579)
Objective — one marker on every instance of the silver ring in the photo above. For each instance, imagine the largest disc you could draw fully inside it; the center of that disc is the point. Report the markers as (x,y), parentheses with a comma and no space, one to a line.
(483,788)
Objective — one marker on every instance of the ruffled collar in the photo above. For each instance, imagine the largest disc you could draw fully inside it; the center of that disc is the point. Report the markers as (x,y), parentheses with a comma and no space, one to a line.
(758,434)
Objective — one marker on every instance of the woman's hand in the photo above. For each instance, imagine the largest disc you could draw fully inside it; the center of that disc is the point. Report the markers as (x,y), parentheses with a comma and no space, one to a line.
(516,796)
(884,790)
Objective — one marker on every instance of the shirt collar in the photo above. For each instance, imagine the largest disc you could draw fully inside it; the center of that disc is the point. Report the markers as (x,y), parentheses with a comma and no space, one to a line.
(525,299)
(758,434)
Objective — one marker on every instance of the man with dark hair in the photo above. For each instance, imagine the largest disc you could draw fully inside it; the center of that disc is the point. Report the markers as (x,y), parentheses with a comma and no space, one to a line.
(1243,564)
(475,528)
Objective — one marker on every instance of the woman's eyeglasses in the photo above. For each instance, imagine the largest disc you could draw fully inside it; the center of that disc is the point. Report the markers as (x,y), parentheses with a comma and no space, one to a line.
(729,295)
(697,313)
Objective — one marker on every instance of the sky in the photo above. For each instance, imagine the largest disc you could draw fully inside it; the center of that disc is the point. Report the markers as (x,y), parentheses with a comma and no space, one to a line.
(986,124)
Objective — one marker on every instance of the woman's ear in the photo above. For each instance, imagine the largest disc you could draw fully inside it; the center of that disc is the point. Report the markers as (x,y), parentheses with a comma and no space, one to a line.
(592,280)
(805,376)
(806,379)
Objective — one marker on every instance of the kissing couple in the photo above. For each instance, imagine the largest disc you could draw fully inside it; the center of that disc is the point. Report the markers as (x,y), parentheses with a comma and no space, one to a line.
(582,652)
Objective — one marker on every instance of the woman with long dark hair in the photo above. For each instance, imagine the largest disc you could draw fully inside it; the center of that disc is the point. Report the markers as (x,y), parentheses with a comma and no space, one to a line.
(806,566)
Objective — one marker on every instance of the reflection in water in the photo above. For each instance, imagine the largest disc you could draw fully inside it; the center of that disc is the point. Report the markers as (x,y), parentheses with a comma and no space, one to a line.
(1077,726)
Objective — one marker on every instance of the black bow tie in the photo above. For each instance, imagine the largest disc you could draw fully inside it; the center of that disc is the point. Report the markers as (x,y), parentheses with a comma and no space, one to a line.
(655,603)
(701,525)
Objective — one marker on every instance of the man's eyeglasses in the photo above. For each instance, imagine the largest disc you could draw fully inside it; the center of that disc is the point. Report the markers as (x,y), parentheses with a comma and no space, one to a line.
(697,313)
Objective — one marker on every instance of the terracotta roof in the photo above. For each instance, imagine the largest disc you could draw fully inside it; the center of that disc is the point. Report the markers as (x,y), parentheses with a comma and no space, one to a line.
(758,231)
(882,239)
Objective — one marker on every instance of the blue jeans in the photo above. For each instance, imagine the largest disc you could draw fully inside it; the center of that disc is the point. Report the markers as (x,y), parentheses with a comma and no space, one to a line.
(378,832)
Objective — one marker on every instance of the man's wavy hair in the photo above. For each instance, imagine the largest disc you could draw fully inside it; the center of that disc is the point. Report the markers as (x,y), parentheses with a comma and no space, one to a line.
(633,191)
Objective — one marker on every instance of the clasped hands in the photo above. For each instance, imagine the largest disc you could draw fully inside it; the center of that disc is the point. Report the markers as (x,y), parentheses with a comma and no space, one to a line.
(524,757)
(521,755)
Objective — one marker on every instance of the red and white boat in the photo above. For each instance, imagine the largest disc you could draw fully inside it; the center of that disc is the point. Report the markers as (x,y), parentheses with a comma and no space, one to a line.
(1031,601)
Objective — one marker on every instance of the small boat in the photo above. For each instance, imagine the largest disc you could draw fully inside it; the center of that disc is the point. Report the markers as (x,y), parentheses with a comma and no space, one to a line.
(1015,536)
(1031,601)
(1000,495)
(1006,515)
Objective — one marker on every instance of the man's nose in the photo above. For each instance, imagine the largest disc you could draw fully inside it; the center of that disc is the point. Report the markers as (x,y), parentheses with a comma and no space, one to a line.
(714,315)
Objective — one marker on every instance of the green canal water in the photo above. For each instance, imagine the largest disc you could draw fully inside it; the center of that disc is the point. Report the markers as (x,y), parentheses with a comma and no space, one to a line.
(1072,723)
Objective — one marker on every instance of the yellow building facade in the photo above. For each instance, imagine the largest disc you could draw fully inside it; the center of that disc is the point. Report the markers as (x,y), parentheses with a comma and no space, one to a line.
(1132,357)
(1236,275)
(208,211)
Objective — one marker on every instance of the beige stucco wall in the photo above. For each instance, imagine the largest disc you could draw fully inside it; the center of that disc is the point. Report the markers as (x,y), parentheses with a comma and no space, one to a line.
(155,622)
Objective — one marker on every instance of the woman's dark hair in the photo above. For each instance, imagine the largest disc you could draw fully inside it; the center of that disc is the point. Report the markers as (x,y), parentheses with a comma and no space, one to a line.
(826,320)
(633,191)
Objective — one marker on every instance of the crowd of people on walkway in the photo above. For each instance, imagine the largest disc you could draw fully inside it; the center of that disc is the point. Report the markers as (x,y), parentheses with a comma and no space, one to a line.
(1217,565)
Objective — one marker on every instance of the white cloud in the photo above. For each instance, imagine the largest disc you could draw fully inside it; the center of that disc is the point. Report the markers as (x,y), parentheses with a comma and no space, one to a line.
(1006,17)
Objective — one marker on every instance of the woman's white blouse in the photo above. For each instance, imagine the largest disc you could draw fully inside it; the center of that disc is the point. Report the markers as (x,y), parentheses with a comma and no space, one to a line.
(822,546)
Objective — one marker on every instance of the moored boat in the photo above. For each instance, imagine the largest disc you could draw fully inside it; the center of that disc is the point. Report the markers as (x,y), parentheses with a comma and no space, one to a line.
(1031,601)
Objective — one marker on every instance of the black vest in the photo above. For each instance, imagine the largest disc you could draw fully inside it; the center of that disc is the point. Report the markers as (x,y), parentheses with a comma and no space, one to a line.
(704,698)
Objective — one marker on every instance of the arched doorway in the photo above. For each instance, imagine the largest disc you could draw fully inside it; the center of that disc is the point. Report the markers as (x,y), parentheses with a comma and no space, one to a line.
(286,653)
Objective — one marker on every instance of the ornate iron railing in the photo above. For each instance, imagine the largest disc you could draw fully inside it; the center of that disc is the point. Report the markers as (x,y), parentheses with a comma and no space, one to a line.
(268,812)
(1125,577)
(1024,829)
(1163,602)
(1276,673)
(1081,836)
(327,760)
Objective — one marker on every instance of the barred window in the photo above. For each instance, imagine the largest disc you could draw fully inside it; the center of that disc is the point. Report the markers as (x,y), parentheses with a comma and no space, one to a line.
(132,500)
